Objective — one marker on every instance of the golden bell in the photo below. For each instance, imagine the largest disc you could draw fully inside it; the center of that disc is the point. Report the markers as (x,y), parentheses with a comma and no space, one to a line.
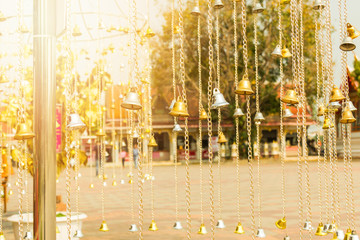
(319,230)
(104,227)
(179,109)
(321,111)
(2,237)
(290,97)
(335,237)
(152,142)
(352,31)
(239,229)
(222,138)
(326,124)
(76,31)
(285,52)
(114,183)
(336,95)
(23,132)
(203,115)
(100,133)
(91,185)
(57,229)
(244,87)
(202,229)
(130,181)
(153,226)
(176,29)
(149,33)
(281,223)
(347,234)
(347,116)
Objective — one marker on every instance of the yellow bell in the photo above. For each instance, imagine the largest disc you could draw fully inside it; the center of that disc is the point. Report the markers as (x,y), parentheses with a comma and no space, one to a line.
(321,111)
(319,230)
(176,29)
(100,133)
(179,109)
(281,223)
(222,138)
(2,237)
(290,97)
(336,95)
(104,227)
(91,185)
(335,237)
(352,31)
(285,1)
(130,181)
(203,115)
(76,31)
(239,229)
(202,229)
(149,33)
(347,234)
(347,116)
(114,183)
(285,52)
(153,226)
(244,87)
(57,229)
(152,142)
(326,124)
(23,132)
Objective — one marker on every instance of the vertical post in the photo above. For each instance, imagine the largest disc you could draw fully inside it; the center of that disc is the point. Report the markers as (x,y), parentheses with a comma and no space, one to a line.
(44,112)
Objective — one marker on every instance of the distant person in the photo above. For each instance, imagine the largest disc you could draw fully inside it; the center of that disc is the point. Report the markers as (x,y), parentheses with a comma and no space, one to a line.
(96,150)
(136,155)
(122,157)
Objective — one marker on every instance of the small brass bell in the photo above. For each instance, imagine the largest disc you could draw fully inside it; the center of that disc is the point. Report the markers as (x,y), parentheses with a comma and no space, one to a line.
(239,229)
(347,234)
(326,124)
(177,128)
(179,109)
(203,114)
(290,97)
(281,223)
(2,236)
(259,118)
(287,113)
(219,100)
(340,234)
(244,87)
(100,133)
(336,95)
(131,101)
(352,31)
(104,227)
(320,230)
(196,11)
(335,237)
(353,236)
(91,185)
(177,225)
(114,183)
(283,2)
(332,228)
(202,229)
(334,106)
(321,111)
(23,132)
(260,233)
(152,142)
(78,234)
(76,31)
(76,123)
(347,44)
(258,8)
(153,226)
(28,236)
(347,116)
(149,33)
(57,229)
(307,226)
(220,224)
(285,52)
(133,228)
(238,113)
(221,139)
(318,5)
(277,51)
(218,4)
(351,106)
(176,29)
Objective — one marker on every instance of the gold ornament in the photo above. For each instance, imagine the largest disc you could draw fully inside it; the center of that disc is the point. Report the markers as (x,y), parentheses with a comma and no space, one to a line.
(244,87)
(290,97)
(149,33)
(153,226)
(336,95)
(319,230)
(23,132)
(239,229)
(179,109)
(285,52)
(202,229)
(347,116)
(222,138)
(281,223)
(152,142)
(203,115)
(104,227)
(352,31)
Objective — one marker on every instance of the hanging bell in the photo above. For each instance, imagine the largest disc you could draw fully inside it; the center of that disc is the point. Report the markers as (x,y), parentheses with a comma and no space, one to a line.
(28,236)
(239,229)
(260,233)
(76,31)
(179,109)
(334,106)
(238,113)
(320,230)
(196,11)
(220,224)
(281,223)
(353,236)
(221,139)
(218,4)
(131,101)
(78,234)
(347,44)
(177,225)
(340,234)
(287,113)
(335,237)
(290,97)
(277,51)
(336,95)
(104,227)
(23,132)
(203,114)
(347,116)
(57,229)
(326,227)
(285,52)
(307,226)
(352,31)
(176,29)
(149,33)
(91,185)
(258,8)
(286,237)
(133,228)
(100,133)
(114,183)
(321,111)
(244,87)
(347,234)
(259,118)
(177,128)
(318,5)
(202,229)
(219,100)
(2,236)
(351,106)
(326,124)
(332,228)
(153,226)
(152,142)
(76,123)
(136,135)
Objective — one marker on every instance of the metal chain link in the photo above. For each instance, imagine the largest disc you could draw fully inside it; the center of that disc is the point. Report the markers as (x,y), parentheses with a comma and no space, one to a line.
(141,182)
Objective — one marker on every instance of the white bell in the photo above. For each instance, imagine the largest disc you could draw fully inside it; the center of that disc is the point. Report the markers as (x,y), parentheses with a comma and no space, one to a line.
(177,128)
(332,228)
(260,233)
(133,228)
(122,181)
(219,100)
(286,237)
(75,122)
(307,226)
(353,236)
(177,225)
(277,52)
(258,118)
(287,113)
(195,11)
(334,105)
(238,113)
(351,106)
(347,44)
(132,101)
(220,224)
(319,4)
(78,234)
(340,234)
(258,8)
(326,227)
(28,236)
(136,134)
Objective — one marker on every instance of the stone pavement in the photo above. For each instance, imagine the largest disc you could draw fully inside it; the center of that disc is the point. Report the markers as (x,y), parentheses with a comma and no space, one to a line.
(118,203)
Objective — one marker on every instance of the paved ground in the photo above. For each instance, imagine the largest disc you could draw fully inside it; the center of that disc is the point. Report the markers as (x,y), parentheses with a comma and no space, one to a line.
(118,214)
